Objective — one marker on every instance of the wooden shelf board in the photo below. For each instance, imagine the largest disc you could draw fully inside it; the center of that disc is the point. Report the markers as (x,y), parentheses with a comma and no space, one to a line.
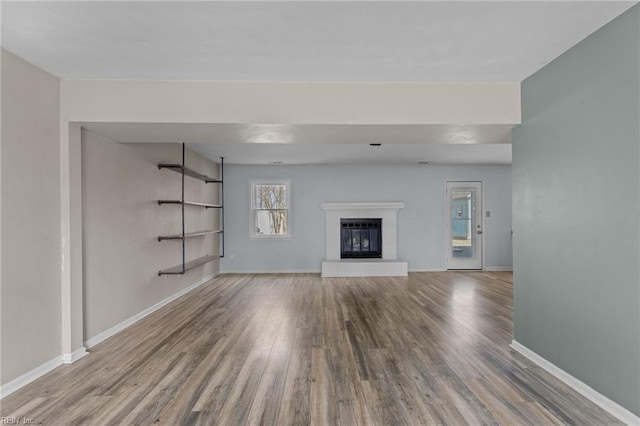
(177,270)
(179,168)
(188,235)
(190,203)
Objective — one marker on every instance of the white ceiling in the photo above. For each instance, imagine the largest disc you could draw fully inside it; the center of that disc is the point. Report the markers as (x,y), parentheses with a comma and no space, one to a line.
(325,143)
(362,41)
(299,41)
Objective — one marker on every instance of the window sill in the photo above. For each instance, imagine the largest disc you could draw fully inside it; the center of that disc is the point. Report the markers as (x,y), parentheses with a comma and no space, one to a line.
(270,237)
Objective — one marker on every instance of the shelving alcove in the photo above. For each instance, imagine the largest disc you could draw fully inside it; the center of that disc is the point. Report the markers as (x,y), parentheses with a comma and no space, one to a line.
(185,265)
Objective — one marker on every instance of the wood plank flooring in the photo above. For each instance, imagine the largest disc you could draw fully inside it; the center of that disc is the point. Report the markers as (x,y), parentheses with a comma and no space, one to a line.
(295,349)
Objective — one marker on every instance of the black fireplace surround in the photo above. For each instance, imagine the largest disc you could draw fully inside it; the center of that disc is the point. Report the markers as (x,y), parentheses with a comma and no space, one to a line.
(360,238)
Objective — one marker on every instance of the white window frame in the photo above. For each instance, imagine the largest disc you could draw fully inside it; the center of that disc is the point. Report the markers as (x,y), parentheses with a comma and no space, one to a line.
(252,204)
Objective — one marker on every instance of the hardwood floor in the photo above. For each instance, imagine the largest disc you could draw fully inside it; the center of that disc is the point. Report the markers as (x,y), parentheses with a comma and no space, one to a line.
(297,349)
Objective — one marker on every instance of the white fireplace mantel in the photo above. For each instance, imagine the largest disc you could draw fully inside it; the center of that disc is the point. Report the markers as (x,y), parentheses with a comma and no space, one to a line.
(362,206)
(333,266)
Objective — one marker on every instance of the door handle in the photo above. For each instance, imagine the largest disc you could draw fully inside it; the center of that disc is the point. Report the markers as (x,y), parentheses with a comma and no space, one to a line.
(479,232)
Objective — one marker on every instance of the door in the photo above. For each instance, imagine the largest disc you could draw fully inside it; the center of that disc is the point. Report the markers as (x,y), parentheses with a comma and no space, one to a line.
(463,234)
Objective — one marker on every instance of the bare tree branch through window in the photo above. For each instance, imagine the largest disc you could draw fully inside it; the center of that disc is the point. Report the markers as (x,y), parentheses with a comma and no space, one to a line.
(271,209)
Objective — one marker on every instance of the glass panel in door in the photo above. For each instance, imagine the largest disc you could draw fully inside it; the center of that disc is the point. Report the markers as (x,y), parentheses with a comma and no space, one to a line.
(464,225)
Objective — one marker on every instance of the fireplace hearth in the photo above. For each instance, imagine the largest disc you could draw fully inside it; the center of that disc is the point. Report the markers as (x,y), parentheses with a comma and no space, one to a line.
(360,238)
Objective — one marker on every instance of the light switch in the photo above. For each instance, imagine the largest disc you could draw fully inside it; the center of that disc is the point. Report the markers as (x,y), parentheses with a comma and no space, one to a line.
(488,213)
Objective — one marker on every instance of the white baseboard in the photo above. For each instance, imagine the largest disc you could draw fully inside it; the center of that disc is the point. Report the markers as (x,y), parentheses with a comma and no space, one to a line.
(126,323)
(30,376)
(74,356)
(582,388)
(283,271)
(317,271)
(70,358)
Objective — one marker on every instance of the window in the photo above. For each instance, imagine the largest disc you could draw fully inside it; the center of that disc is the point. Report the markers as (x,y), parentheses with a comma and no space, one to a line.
(271,209)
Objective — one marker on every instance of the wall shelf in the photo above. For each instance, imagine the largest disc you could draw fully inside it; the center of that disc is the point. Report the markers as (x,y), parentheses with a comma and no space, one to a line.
(185,265)
(187,235)
(179,168)
(190,203)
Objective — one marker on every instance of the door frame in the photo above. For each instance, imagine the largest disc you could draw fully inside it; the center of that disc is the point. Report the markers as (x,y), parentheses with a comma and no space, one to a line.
(447,223)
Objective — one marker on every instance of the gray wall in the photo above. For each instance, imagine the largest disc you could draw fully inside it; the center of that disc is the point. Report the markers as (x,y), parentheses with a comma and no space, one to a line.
(576,189)
(421,222)
(30,217)
(121,184)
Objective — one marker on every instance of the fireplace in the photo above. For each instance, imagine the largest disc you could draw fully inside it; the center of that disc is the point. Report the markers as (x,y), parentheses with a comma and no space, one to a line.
(341,220)
(361,238)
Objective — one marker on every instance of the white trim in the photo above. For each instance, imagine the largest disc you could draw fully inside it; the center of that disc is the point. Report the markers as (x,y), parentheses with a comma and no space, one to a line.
(483,225)
(582,388)
(126,323)
(265,271)
(335,212)
(69,358)
(30,376)
(252,202)
(315,271)
(74,356)
(498,268)
(359,206)
(450,264)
